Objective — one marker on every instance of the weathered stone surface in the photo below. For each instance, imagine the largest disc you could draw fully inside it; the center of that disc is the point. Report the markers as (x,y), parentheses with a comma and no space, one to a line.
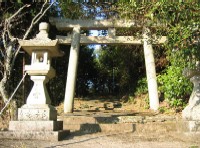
(42,42)
(89,128)
(40,69)
(63,24)
(188,126)
(150,70)
(116,40)
(35,125)
(161,127)
(192,111)
(36,135)
(37,119)
(93,128)
(37,112)
(160,118)
(39,94)
(156,127)
(72,71)
(121,127)
(44,28)
(66,24)
(131,119)
(106,119)
(79,120)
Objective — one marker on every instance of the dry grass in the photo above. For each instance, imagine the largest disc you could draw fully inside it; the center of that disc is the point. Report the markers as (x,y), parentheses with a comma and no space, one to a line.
(4,122)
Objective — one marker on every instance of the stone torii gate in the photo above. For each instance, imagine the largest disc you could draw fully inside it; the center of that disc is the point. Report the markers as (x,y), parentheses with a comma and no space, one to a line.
(76,38)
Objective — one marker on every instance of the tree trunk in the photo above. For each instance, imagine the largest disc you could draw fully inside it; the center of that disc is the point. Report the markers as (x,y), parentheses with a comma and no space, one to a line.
(4,81)
(7,70)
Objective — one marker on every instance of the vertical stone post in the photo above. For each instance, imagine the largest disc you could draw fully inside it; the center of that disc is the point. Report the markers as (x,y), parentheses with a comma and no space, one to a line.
(72,71)
(150,70)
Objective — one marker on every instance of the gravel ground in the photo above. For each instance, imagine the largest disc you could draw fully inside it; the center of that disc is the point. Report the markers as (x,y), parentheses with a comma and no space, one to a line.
(107,140)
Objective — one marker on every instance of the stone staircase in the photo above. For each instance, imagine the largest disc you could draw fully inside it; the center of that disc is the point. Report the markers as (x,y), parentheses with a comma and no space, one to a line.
(92,122)
(115,117)
(140,124)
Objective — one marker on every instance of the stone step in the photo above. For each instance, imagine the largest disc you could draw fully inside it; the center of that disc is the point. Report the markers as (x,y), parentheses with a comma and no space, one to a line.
(93,128)
(161,127)
(92,122)
(35,135)
(78,120)
(107,119)
(36,125)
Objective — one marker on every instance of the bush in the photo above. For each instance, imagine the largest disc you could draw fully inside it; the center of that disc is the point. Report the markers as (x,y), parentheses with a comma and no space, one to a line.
(174,86)
(142,87)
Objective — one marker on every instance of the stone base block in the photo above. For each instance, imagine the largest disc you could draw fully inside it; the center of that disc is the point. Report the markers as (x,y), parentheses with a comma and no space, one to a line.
(35,125)
(191,112)
(188,126)
(35,135)
(37,113)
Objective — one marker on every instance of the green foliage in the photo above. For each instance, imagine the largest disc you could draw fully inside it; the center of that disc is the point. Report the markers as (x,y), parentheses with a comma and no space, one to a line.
(174,86)
(180,22)
(71,10)
(141,86)
(86,73)
(147,105)
(124,66)
(182,51)
(117,69)
(162,110)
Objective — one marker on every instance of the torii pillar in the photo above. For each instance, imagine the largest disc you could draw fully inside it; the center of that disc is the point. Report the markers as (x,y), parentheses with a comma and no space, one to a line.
(72,71)
(150,70)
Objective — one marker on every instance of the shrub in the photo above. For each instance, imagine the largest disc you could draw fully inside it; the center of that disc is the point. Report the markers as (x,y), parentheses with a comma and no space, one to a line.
(174,86)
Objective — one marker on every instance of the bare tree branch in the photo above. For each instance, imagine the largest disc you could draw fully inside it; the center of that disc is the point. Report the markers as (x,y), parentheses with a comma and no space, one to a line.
(7,21)
(4,38)
(6,29)
(44,12)
(16,13)
(2,54)
(34,21)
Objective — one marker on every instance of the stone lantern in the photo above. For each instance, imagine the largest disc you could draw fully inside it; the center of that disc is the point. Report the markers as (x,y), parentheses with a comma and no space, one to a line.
(38,115)
(42,50)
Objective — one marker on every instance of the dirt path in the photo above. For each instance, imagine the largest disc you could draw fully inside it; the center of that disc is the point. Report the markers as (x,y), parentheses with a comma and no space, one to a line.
(105,140)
